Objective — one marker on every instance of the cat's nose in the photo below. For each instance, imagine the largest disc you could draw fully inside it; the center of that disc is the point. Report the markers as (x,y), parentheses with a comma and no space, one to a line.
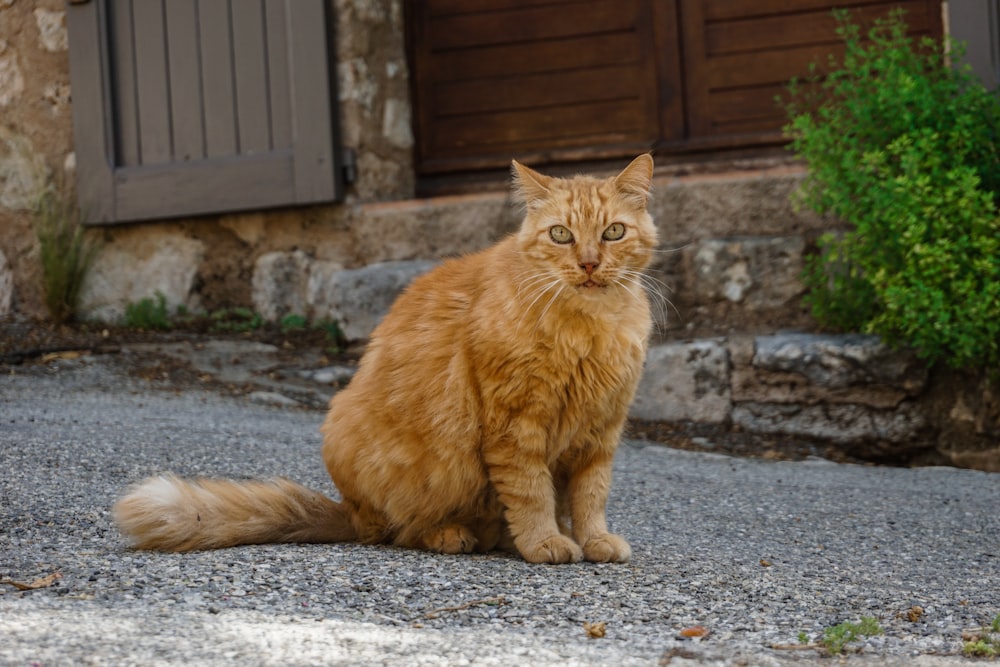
(589,267)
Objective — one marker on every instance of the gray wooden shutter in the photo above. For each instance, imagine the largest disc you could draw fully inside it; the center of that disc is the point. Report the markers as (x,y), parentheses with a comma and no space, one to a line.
(187,107)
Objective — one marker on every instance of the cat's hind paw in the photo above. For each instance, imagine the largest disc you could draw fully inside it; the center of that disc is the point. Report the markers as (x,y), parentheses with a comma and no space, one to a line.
(451,540)
(553,549)
(607,548)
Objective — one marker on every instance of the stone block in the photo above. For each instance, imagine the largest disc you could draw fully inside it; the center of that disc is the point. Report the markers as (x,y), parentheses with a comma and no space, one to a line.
(280,282)
(136,268)
(23,174)
(813,368)
(686,381)
(52,29)
(841,423)
(6,286)
(729,205)
(11,78)
(358,299)
(426,228)
(760,272)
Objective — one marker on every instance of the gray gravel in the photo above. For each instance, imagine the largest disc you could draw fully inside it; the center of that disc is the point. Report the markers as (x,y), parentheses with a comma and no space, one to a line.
(755,551)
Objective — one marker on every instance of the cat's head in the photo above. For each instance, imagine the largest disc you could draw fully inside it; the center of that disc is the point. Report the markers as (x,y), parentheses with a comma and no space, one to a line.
(590,234)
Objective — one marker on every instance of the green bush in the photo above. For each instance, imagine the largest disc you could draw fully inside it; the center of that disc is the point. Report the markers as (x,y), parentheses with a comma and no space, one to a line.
(904,148)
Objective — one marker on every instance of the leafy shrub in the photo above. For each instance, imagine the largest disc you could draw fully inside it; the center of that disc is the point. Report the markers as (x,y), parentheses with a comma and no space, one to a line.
(905,149)
(65,253)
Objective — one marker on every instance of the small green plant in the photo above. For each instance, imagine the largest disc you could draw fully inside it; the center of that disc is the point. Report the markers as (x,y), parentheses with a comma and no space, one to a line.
(334,334)
(65,251)
(905,149)
(292,322)
(836,637)
(986,643)
(149,314)
(238,320)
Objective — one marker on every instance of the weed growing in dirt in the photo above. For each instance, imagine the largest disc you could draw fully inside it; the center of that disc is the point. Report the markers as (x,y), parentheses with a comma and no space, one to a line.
(235,320)
(292,323)
(154,314)
(334,335)
(836,637)
(66,253)
(149,314)
(985,643)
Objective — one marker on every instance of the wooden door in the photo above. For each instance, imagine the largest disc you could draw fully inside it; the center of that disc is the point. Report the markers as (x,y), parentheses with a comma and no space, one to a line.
(568,81)
(547,81)
(739,55)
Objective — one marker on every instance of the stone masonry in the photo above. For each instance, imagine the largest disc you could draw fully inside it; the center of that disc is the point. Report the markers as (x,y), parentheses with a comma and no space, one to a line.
(853,390)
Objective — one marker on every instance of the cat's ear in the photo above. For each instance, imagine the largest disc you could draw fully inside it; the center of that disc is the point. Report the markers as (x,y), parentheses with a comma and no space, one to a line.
(636,179)
(531,186)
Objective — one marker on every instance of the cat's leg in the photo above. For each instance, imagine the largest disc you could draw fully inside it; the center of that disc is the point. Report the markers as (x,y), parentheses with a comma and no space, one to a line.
(520,474)
(563,509)
(589,484)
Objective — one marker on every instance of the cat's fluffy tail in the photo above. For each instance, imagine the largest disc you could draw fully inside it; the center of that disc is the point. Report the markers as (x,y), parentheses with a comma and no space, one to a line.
(171,514)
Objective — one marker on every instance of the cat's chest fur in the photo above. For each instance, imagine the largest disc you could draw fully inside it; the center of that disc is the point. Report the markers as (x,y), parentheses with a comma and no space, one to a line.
(572,375)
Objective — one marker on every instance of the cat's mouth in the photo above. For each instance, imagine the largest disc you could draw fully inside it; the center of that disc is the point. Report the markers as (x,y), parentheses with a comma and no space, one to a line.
(590,283)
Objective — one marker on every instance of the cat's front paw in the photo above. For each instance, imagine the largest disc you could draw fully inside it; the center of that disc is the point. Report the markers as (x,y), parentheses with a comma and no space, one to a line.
(553,549)
(607,548)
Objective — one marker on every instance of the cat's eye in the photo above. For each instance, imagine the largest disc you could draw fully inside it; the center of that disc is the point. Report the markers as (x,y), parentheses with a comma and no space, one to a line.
(560,234)
(614,232)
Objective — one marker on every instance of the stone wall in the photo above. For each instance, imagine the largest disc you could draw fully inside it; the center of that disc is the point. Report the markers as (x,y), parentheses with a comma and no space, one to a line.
(35,135)
(36,149)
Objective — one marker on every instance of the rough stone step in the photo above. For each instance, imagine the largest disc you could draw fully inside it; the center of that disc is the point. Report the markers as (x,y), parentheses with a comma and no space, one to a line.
(849,389)
(751,381)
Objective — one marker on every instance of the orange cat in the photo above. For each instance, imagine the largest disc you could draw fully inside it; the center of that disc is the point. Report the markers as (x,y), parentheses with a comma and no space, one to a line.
(486,410)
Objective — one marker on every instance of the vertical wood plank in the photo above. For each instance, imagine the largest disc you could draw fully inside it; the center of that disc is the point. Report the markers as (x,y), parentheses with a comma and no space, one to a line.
(121,53)
(315,160)
(218,92)
(152,84)
(695,57)
(89,26)
(185,80)
(279,90)
(250,65)
(668,69)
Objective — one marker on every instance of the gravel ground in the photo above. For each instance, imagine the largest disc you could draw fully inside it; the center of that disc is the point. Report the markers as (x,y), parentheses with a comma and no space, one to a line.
(754,551)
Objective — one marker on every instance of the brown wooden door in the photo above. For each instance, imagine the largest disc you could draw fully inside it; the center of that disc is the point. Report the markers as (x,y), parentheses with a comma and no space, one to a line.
(739,55)
(556,81)
(549,81)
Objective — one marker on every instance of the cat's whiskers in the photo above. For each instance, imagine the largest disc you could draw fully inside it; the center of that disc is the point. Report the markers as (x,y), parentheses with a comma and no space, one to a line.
(650,280)
(668,251)
(659,302)
(533,281)
(539,287)
(555,296)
